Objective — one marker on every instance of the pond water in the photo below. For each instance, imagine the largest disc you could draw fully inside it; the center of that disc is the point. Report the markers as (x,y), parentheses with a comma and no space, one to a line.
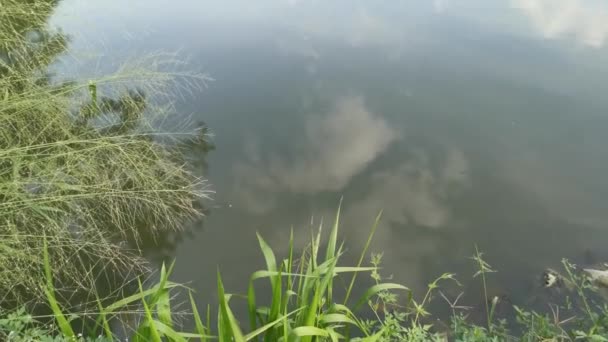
(468,122)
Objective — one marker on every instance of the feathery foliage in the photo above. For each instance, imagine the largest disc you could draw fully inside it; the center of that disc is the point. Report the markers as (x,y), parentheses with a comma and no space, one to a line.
(82,164)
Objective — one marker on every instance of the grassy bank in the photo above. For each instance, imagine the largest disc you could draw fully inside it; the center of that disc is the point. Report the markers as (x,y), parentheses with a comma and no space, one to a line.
(304,305)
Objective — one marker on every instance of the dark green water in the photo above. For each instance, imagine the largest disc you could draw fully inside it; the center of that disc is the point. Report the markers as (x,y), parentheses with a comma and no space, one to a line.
(468,121)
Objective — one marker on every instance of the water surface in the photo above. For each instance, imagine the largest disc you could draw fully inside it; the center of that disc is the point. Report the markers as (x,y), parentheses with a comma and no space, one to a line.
(468,122)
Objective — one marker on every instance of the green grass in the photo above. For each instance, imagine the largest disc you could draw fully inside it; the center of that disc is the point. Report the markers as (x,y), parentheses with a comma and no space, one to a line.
(84,165)
(304,306)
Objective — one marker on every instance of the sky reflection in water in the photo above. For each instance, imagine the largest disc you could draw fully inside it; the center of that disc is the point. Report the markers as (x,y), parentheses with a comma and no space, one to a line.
(466,121)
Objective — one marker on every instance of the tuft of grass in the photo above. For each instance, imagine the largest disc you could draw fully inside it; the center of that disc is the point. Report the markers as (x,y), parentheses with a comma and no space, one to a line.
(483,269)
(86,165)
(303,305)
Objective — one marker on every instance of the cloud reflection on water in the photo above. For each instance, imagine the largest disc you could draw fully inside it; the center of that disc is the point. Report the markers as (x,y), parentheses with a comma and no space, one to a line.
(414,192)
(333,149)
(585,20)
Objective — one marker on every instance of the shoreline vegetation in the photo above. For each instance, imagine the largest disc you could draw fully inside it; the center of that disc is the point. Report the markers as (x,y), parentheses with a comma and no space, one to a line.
(87,167)
(90,180)
(313,297)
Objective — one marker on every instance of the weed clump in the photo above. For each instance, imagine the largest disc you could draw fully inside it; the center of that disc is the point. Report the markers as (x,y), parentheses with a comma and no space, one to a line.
(83,165)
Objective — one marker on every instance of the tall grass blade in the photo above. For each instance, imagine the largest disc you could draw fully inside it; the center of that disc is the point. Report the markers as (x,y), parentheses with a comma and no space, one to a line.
(303,268)
(103,318)
(209,318)
(319,293)
(163,308)
(137,297)
(162,299)
(148,330)
(251,305)
(315,246)
(333,236)
(229,324)
(348,269)
(331,248)
(200,328)
(288,268)
(275,307)
(271,262)
(362,256)
(62,322)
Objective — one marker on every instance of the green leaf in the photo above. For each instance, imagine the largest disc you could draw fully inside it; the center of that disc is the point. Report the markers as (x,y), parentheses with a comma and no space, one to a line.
(343,269)
(200,328)
(275,307)
(264,328)
(138,297)
(168,331)
(152,329)
(307,331)
(271,263)
(62,322)
(336,318)
(251,306)
(163,308)
(161,288)
(228,321)
(377,289)
(333,236)
(288,268)
(373,338)
(335,337)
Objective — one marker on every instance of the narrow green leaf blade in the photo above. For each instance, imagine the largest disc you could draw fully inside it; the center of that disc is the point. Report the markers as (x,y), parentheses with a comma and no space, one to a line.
(376,289)
(200,328)
(62,322)
(229,322)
